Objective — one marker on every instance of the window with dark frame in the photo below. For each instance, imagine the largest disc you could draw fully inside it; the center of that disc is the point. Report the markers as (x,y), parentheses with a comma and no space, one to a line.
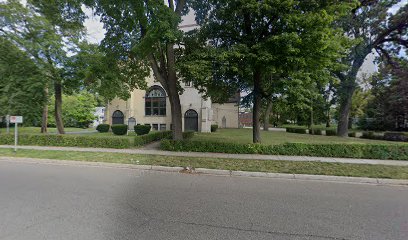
(162,127)
(155,102)
(155,127)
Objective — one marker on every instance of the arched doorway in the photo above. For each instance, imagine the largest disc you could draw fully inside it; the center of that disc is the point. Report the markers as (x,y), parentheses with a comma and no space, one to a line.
(191,121)
(224,122)
(118,117)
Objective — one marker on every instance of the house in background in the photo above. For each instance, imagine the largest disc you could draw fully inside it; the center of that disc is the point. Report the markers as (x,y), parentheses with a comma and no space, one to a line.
(99,116)
(152,107)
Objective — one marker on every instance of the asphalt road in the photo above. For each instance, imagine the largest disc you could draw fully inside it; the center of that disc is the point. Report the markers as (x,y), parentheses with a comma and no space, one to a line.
(39,201)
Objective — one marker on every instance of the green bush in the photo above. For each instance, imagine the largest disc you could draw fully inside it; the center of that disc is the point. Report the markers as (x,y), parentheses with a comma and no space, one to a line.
(372,135)
(68,140)
(368,135)
(300,130)
(142,129)
(315,131)
(214,127)
(119,129)
(102,128)
(156,136)
(188,134)
(331,132)
(296,130)
(152,137)
(370,151)
(396,136)
(352,134)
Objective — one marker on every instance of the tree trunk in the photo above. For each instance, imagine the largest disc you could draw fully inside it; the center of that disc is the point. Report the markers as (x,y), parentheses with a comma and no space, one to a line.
(44,119)
(174,97)
(58,107)
(311,120)
(345,105)
(267,115)
(256,116)
(347,87)
(328,119)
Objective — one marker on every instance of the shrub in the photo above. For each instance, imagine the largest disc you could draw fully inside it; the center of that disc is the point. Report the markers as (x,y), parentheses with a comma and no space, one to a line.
(156,136)
(102,128)
(188,134)
(331,132)
(142,129)
(352,134)
(372,151)
(141,140)
(119,129)
(371,135)
(396,136)
(68,140)
(315,131)
(299,130)
(214,127)
(296,130)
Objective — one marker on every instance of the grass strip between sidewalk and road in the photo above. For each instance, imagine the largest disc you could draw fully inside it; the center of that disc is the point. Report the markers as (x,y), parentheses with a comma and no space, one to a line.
(312,168)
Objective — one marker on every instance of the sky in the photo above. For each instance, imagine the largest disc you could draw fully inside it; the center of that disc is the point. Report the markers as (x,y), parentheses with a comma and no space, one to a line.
(95,27)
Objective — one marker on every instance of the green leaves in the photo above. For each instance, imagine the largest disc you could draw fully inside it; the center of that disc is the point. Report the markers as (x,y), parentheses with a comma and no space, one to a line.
(21,84)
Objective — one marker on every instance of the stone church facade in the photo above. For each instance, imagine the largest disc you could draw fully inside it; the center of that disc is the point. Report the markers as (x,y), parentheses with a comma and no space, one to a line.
(152,107)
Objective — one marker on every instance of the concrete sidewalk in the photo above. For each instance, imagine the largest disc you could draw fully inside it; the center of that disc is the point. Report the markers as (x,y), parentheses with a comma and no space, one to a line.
(220,155)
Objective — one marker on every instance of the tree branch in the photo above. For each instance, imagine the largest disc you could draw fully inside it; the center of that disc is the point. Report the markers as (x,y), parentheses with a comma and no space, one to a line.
(180,6)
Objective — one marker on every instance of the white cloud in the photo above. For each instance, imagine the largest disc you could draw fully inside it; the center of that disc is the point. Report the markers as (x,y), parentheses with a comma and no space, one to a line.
(94,27)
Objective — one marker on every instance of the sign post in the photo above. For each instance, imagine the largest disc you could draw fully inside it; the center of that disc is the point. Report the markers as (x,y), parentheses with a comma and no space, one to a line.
(8,123)
(16,120)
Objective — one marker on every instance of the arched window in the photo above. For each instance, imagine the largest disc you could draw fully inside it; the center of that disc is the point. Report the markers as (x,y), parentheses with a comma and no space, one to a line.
(155,102)
(118,117)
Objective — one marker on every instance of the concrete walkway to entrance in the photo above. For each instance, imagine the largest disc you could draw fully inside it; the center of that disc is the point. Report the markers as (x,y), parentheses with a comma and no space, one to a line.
(220,155)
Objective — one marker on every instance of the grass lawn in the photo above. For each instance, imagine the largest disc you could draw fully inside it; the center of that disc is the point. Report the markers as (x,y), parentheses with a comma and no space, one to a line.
(37,130)
(274,137)
(313,168)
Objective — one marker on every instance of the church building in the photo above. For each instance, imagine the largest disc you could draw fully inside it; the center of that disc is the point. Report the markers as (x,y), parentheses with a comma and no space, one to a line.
(152,107)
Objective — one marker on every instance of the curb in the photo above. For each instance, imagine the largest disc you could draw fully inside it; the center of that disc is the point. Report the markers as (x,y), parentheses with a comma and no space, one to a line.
(215,172)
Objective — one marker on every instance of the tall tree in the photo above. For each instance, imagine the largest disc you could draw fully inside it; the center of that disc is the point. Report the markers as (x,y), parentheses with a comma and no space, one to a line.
(144,34)
(254,38)
(373,26)
(46,31)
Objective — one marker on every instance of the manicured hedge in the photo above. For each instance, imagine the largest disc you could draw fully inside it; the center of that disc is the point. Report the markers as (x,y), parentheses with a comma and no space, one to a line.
(396,136)
(296,130)
(156,136)
(188,134)
(68,141)
(102,128)
(142,129)
(315,131)
(152,137)
(214,127)
(372,135)
(119,129)
(372,151)
(331,132)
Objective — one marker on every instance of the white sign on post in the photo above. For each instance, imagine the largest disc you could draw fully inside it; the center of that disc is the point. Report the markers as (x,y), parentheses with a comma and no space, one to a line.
(16,120)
